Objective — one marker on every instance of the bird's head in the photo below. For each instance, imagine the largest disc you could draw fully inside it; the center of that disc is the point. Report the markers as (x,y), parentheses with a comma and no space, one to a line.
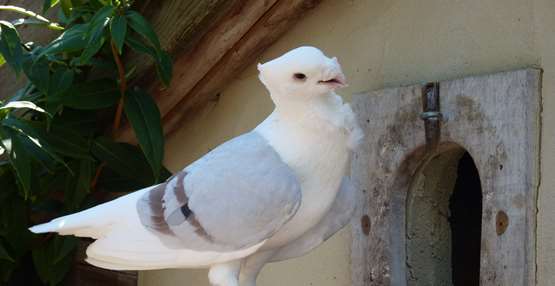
(302,73)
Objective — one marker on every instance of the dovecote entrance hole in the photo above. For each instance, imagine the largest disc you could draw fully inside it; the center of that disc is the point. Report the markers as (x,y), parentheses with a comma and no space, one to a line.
(444,216)
(463,213)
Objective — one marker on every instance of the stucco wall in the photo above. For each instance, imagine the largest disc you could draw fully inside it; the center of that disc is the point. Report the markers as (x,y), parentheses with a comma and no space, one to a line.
(384,43)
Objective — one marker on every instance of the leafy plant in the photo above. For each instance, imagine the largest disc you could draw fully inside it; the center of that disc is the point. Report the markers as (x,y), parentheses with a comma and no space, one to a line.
(56,154)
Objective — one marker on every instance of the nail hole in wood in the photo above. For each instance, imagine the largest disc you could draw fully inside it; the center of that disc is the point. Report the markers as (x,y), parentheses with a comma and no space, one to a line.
(365,224)
(501,222)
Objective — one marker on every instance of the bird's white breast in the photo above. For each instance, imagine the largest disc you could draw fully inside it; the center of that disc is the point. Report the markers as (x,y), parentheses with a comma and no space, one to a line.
(318,153)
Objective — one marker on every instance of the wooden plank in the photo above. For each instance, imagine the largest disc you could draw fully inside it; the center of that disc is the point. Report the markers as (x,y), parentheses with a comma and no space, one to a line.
(193,87)
(179,25)
(496,119)
(193,65)
(381,176)
(263,34)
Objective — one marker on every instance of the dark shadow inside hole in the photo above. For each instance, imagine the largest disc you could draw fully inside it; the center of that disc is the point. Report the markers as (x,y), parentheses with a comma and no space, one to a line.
(465,206)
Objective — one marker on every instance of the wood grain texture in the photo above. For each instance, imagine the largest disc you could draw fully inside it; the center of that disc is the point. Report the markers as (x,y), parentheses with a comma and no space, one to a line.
(496,118)
(262,35)
(192,66)
(179,24)
(235,42)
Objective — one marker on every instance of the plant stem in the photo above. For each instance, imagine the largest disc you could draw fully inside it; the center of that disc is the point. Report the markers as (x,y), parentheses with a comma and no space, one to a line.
(49,24)
(119,109)
(122,89)
(97,175)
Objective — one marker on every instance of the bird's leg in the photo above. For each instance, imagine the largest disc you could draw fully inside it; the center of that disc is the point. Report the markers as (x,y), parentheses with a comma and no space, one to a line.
(225,274)
(252,265)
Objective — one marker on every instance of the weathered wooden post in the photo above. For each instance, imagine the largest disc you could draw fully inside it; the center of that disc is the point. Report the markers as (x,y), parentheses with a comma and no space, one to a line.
(496,119)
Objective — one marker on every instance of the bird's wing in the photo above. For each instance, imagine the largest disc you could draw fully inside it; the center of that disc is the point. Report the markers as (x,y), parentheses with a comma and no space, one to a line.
(234,197)
(337,217)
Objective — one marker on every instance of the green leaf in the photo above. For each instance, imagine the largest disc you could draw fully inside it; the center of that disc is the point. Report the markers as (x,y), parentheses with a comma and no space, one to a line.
(11,141)
(33,136)
(13,220)
(83,122)
(111,181)
(6,269)
(35,22)
(47,4)
(163,60)
(8,183)
(95,33)
(119,29)
(95,94)
(69,41)
(58,139)
(68,244)
(139,24)
(10,46)
(30,14)
(38,154)
(4,254)
(76,188)
(2,60)
(90,50)
(97,4)
(124,159)
(23,93)
(92,47)
(20,105)
(164,68)
(138,46)
(61,81)
(38,72)
(144,116)
(66,7)
(67,142)
(53,260)
(83,184)
(99,21)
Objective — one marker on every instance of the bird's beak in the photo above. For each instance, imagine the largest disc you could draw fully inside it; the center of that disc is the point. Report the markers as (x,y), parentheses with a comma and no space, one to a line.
(335,78)
(336,81)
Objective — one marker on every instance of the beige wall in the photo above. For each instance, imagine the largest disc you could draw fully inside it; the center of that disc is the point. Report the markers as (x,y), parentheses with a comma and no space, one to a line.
(390,43)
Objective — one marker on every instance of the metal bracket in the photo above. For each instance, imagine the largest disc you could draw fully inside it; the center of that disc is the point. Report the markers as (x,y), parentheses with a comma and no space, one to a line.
(431,115)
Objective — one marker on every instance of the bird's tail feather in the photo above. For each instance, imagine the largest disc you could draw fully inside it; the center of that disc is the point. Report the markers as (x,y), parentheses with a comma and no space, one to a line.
(79,224)
(93,222)
(55,227)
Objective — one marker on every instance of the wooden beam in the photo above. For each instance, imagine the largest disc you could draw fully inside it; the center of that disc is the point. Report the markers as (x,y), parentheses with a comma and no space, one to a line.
(227,49)
(179,25)
(278,20)
(191,67)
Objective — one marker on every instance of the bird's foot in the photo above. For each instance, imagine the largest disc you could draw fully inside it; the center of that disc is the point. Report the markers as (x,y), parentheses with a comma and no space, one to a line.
(225,274)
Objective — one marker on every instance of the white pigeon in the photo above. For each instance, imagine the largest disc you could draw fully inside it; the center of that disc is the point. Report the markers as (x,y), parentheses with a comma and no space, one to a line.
(271,194)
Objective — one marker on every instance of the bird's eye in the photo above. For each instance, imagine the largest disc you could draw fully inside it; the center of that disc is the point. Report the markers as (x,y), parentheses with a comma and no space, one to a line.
(299,76)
